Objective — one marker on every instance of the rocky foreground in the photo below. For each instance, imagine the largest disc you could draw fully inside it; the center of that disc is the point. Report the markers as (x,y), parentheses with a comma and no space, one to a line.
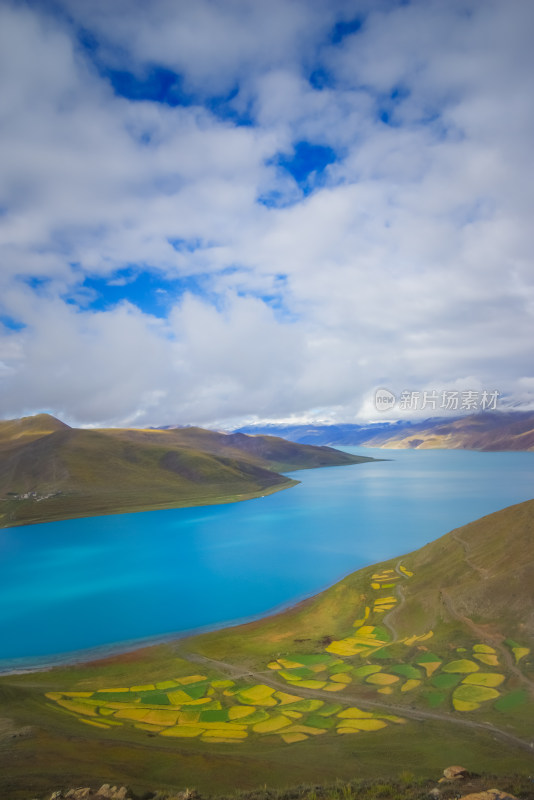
(456,783)
(107,792)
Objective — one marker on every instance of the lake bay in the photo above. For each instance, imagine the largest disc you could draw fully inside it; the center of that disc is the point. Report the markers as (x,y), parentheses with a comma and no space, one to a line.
(103,581)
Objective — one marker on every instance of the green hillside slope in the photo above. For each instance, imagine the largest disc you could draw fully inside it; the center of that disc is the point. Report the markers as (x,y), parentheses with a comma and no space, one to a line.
(49,471)
(475,583)
(417,662)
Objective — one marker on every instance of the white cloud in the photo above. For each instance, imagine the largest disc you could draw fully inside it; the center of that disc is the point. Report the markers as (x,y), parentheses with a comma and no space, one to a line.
(410,268)
(212,43)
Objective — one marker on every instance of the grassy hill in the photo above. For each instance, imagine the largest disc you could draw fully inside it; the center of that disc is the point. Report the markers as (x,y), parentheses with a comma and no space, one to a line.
(401,668)
(50,471)
(475,583)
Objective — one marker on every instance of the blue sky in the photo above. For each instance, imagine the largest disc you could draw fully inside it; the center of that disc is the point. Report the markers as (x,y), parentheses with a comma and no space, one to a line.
(222,211)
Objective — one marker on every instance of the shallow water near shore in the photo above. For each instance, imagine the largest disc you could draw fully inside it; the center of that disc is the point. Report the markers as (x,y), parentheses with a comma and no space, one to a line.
(102,581)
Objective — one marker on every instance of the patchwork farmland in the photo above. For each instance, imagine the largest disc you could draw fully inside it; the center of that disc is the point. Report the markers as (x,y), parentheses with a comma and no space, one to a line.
(369,658)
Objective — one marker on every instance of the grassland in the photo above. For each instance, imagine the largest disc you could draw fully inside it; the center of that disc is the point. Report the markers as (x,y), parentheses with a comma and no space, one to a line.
(421,661)
(49,471)
(46,745)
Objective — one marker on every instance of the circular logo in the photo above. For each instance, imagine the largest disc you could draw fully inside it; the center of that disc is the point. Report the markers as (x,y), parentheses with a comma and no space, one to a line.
(384,400)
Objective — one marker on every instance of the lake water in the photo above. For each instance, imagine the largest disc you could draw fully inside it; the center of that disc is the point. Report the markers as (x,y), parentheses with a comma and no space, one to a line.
(102,581)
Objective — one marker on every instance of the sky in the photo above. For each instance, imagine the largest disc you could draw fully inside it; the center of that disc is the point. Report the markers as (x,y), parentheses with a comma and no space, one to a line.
(225,211)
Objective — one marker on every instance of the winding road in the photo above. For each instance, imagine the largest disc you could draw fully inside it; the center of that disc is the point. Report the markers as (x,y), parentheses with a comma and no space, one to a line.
(386,620)
(493,639)
(266,676)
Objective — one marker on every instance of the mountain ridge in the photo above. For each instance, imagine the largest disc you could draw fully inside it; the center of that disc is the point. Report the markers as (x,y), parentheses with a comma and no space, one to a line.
(51,471)
(488,431)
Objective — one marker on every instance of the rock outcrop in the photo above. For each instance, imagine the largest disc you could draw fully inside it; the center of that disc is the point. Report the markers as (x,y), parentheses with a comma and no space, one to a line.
(106,792)
(489,794)
(455,773)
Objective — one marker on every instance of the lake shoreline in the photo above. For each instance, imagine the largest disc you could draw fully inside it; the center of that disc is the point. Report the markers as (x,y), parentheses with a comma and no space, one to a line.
(114,651)
(143,580)
(213,501)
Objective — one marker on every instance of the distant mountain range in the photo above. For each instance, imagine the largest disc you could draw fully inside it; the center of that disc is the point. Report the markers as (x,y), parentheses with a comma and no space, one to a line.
(50,471)
(489,430)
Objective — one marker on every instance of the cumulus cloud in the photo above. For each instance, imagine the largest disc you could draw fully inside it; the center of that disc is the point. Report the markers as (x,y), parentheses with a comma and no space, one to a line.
(404,260)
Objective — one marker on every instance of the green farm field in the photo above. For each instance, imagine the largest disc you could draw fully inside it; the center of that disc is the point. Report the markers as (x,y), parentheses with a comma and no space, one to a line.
(427,658)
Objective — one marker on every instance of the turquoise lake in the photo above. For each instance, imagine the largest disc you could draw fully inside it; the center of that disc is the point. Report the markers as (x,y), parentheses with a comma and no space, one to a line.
(110,581)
